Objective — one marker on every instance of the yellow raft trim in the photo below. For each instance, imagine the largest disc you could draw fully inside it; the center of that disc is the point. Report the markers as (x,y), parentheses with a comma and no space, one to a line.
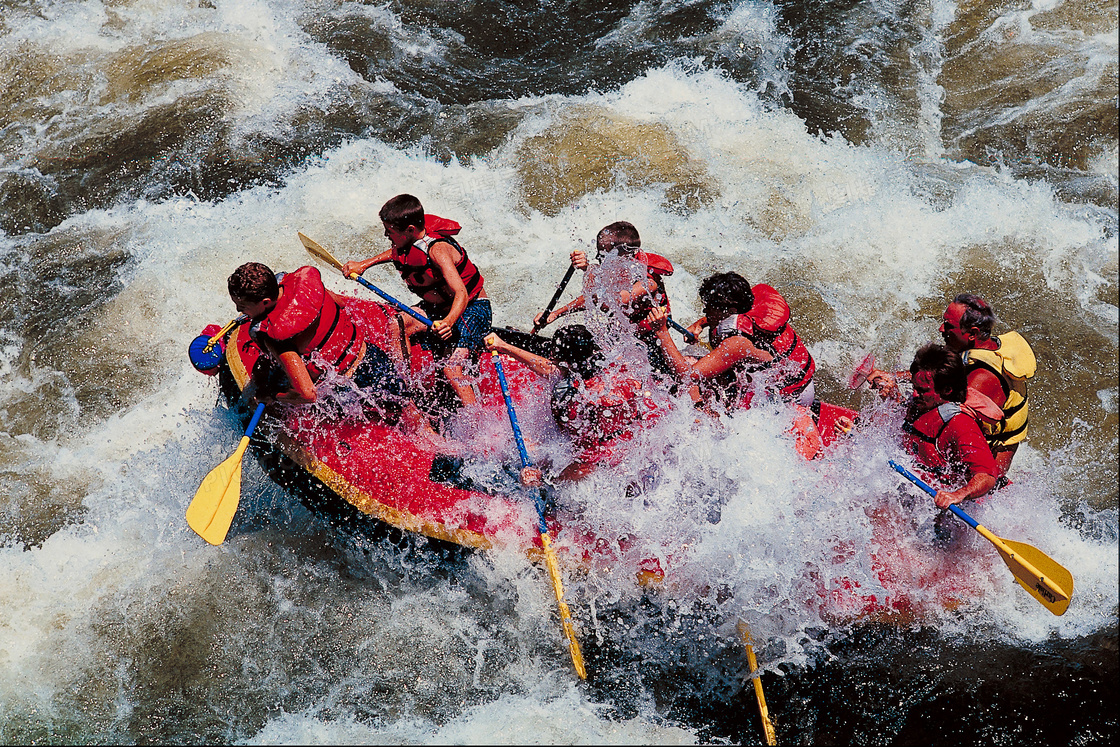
(351,494)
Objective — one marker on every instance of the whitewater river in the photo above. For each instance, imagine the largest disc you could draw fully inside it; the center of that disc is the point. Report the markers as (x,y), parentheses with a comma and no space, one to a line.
(868,158)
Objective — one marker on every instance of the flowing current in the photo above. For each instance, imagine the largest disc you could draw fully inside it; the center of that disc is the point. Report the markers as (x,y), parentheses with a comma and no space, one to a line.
(868,158)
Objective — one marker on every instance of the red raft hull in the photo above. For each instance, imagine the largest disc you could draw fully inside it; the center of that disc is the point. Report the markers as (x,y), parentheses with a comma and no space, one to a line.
(383,473)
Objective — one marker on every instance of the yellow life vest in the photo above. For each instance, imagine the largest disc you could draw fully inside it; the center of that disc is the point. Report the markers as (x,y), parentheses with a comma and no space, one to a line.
(1012,363)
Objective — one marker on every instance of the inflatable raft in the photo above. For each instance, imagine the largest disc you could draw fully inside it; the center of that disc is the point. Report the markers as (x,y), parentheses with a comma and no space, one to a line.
(368,476)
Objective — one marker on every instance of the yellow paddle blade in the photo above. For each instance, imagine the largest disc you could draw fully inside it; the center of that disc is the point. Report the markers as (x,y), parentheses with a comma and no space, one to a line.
(211,512)
(565,614)
(1039,574)
(318,252)
(763,711)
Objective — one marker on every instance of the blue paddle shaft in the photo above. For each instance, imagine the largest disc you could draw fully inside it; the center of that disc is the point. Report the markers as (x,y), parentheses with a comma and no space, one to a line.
(926,487)
(406,309)
(540,501)
(255,419)
(512,413)
(688,336)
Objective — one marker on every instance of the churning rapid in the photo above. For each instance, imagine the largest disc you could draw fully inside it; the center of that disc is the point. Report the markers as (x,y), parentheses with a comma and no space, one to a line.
(868,158)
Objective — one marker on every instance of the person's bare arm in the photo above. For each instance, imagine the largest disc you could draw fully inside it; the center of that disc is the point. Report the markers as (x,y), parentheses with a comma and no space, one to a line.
(358,267)
(537,364)
(303,388)
(731,351)
(981,483)
(442,256)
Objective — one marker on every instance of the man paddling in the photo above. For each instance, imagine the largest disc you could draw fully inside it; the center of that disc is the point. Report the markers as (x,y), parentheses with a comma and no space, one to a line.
(939,432)
(304,331)
(997,369)
(598,405)
(636,299)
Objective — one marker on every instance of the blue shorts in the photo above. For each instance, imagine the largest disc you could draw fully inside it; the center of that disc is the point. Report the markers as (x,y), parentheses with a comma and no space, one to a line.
(469,332)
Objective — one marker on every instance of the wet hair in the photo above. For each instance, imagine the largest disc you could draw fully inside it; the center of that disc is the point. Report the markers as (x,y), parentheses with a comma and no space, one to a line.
(575,349)
(729,290)
(621,236)
(253,282)
(949,378)
(977,314)
(402,211)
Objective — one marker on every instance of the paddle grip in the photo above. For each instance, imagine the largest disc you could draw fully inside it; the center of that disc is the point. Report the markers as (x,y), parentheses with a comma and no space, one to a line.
(555,297)
(926,487)
(406,309)
(688,336)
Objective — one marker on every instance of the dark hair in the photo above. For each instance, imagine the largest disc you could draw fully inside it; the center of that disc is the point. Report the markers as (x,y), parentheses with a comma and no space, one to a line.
(949,378)
(977,314)
(574,348)
(729,290)
(620,235)
(254,282)
(402,211)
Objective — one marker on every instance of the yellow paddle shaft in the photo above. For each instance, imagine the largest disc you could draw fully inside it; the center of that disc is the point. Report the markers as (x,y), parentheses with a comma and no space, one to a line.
(763,711)
(565,614)
(220,334)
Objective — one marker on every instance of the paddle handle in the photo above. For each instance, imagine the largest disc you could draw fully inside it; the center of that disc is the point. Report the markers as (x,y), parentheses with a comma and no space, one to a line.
(555,297)
(550,560)
(241,319)
(688,336)
(926,487)
(406,309)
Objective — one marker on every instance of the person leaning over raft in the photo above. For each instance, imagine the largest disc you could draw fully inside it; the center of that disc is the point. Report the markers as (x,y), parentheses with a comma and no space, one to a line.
(997,369)
(436,268)
(621,237)
(594,407)
(750,332)
(942,435)
(305,329)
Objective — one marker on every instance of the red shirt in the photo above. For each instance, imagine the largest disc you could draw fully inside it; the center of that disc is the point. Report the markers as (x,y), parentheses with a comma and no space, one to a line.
(950,443)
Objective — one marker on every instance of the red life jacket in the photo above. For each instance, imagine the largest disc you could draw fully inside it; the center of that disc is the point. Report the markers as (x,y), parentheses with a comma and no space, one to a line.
(309,320)
(596,420)
(426,280)
(922,436)
(657,267)
(767,326)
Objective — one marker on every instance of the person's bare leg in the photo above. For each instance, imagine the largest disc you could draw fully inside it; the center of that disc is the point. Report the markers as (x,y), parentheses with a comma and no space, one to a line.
(400,348)
(457,378)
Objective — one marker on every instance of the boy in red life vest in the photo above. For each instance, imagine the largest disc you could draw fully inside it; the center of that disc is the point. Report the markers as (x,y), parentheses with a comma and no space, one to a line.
(436,268)
(997,370)
(593,407)
(942,435)
(637,301)
(750,333)
(305,329)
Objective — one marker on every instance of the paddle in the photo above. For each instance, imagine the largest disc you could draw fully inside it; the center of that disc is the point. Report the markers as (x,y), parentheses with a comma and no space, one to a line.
(212,509)
(763,711)
(546,541)
(863,370)
(1040,575)
(538,326)
(319,252)
(688,336)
